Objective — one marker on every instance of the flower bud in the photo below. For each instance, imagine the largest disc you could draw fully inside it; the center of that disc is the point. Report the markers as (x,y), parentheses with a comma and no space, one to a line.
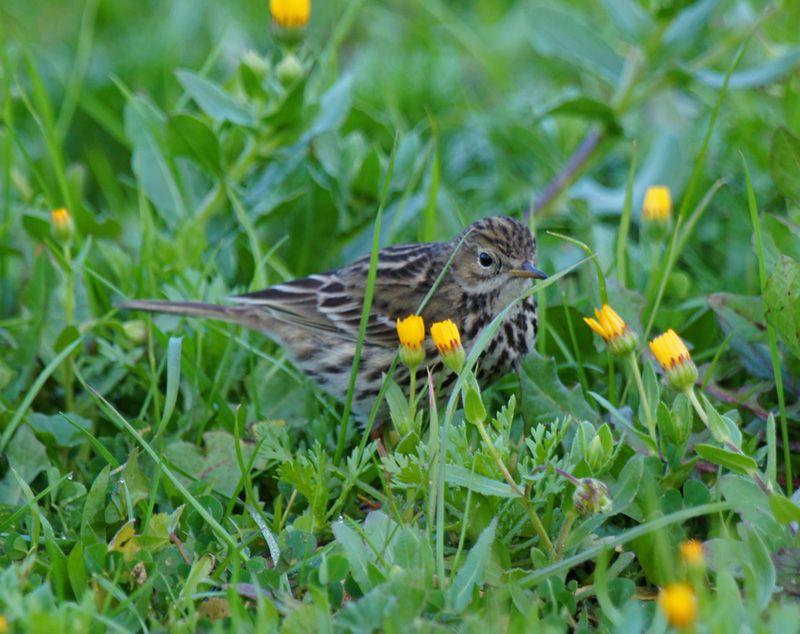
(692,553)
(61,225)
(411,332)
(289,69)
(619,338)
(448,342)
(674,358)
(591,496)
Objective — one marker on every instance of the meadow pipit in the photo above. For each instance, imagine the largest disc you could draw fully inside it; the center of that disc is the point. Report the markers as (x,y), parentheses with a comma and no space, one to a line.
(316,318)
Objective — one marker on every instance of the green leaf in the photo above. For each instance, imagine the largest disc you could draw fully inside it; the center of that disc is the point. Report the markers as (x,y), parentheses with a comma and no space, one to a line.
(470,576)
(785,163)
(625,489)
(474,411)
(216,464)
(189,136)
(760,575)
(782,301)
(461,476)
(213,100)
(28,457)
(560,34)
(784,509)
(356,553)
(736,462)
(585,108)
(55,430)
(761,75)
(546,398)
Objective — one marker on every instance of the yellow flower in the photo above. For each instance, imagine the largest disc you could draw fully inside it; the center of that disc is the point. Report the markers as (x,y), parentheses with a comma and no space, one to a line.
(411,332)
(610,326)
(678,603)
(291,13)
(657,204)
(3,624)
(673,356)
(61,225)
(692,552)
(448,342)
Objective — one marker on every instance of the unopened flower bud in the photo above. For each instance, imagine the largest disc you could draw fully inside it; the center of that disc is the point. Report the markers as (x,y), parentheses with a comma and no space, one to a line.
(61,225)
(591,496)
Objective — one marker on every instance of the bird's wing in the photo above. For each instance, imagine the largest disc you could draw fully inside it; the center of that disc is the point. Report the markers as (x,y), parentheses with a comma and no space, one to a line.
(332,302)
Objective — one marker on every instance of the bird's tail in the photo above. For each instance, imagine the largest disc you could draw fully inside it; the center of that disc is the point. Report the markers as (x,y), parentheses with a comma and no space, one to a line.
(243,315)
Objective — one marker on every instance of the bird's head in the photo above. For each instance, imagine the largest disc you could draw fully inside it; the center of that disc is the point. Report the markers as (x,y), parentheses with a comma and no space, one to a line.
(497,254)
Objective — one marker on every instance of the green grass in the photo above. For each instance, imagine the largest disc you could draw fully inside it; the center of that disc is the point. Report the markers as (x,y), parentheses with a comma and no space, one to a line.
(161,474)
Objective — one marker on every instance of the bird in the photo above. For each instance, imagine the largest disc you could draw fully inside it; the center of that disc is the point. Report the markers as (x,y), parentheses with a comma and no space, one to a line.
(316,318)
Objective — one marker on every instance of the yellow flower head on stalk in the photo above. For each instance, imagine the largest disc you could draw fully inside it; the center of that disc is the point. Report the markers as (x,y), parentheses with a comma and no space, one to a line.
(657,204)
(692,553)
(61,225)
(448,342)
(290,13)
(621,340)
(678,603)
(673,356)
(411,332)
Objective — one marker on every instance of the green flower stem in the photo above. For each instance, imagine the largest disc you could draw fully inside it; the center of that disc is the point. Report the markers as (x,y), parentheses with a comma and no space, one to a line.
(637,374)
(697,406)
(534,517)
(412,400)
(566,528)
(69,312)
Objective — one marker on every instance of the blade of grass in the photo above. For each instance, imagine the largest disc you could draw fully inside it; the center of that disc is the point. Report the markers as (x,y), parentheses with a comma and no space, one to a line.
(771,334)
(366,308)
(115,417)
(8,432)
(625,223)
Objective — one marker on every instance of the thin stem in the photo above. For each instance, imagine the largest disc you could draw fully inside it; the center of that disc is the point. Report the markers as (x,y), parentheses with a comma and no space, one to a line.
(697,406)
(534,517)
(566,528)
(648,414)
(69,312)
(412,400)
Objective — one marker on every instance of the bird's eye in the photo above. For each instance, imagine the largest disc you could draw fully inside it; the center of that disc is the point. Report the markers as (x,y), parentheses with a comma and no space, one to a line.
(485,259)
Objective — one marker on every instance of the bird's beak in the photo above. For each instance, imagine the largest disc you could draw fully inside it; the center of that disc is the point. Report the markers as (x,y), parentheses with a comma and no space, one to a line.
(528,270)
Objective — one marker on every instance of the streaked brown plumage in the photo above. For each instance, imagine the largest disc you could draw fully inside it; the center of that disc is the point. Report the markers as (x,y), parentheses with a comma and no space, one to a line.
(316,318)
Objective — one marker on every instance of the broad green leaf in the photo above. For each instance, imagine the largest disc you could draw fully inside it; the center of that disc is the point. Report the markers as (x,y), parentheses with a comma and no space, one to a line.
(216,464)
(356,552)
(686,26)
(546,398)
(784,509)
(561,34)
(761,75)
(782,302)
(189,136)
(762,581)
(470,576)
(55,430)
(625,489)
(213,100)
(736,462)
(785,163)
(28,457)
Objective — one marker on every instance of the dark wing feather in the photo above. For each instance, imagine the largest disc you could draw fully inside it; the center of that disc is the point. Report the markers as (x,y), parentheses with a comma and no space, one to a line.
(333,302)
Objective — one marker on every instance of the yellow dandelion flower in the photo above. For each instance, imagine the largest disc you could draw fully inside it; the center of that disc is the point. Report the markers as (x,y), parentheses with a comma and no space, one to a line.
(411,332)
(673,356)
(657,204)
(678,603)
(621,340)
(61,225)
(290,13)
(692,552)
(448,342)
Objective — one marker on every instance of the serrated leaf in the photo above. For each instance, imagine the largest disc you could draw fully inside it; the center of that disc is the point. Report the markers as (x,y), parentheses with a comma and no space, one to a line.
(546,398)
